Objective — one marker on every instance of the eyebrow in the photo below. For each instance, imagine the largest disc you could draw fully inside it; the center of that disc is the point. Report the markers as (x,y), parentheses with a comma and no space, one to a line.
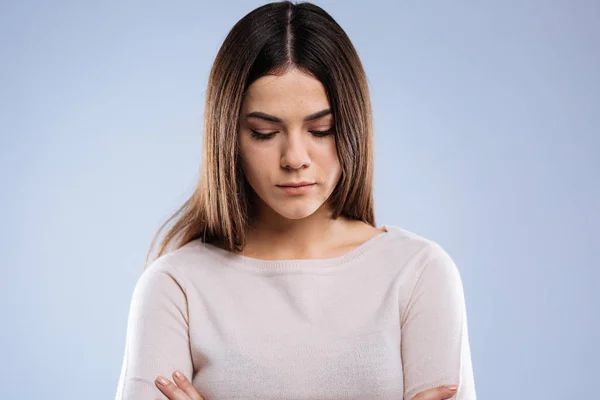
(267,117)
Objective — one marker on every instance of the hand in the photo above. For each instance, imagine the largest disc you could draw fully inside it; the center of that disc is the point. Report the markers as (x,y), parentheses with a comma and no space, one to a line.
(182,389)
(437,393)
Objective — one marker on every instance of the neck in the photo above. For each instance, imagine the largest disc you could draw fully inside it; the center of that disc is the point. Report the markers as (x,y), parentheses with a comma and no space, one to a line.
(275,237)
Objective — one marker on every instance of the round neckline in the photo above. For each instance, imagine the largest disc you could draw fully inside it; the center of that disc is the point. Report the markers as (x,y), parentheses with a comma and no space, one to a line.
(256,264)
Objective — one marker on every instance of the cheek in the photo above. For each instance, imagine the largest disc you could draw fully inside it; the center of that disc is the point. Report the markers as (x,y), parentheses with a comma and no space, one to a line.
(331,160)
(254,165)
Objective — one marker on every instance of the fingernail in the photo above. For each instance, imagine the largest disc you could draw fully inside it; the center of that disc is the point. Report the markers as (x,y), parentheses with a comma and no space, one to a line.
(162,381)
(178,375)
(452,387)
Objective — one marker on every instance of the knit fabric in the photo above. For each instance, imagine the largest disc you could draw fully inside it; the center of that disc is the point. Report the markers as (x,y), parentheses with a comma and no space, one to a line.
(386,320)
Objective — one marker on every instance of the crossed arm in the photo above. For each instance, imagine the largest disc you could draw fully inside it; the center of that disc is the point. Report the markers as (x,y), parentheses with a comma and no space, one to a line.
(434,340)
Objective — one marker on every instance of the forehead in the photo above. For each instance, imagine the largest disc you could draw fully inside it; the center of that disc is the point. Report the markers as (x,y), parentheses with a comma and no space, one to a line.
(292,90)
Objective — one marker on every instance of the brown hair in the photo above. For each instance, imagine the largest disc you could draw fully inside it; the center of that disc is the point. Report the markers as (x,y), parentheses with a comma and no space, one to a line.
(269,40)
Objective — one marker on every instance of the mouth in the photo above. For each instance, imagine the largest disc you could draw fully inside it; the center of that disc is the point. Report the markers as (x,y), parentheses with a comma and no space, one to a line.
(297,188)
(296,184)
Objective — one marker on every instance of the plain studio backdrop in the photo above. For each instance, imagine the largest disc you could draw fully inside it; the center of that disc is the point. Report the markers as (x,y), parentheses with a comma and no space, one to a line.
(487,124)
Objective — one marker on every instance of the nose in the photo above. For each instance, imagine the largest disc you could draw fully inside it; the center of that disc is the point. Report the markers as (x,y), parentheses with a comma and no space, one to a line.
(295,154)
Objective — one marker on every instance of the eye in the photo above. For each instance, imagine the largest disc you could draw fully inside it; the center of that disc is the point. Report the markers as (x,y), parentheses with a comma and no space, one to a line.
(321,134)
(264,136)
(261,136)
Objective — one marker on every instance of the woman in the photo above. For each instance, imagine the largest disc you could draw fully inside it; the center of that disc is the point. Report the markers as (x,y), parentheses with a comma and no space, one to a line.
(278,284)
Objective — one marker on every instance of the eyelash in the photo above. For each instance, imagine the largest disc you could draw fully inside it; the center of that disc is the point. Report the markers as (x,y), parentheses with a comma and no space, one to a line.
(265,136)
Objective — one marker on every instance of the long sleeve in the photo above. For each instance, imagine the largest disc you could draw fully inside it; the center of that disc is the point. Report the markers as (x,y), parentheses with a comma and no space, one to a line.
(434,339)
(384,321)
(157,339)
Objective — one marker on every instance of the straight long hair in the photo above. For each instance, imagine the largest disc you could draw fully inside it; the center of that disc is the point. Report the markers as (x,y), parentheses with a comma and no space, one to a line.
(270,40)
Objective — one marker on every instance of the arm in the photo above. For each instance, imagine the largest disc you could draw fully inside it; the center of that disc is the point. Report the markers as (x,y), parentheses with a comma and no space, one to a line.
(434,338)
(157,340)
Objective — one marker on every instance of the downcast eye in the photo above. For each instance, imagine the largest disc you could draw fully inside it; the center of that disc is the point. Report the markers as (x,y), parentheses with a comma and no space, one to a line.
(261,136)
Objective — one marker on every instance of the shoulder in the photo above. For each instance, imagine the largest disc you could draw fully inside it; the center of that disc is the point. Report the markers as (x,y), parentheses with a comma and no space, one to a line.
(425,268)
(408,241)
(177,264)
(416,251)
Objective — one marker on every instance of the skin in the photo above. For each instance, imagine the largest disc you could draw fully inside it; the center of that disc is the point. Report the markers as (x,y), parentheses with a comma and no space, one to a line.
(291,226)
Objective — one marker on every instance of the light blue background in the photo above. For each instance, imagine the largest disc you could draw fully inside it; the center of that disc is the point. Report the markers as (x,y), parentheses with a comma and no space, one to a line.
(487,141)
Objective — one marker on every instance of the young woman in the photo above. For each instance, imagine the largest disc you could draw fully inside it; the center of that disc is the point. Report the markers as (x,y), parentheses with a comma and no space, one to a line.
(278,284)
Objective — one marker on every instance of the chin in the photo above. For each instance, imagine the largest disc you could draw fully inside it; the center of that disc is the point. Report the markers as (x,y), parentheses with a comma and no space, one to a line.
(296,211)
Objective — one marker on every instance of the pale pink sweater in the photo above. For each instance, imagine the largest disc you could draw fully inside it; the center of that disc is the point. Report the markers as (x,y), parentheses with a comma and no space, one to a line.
(385,321)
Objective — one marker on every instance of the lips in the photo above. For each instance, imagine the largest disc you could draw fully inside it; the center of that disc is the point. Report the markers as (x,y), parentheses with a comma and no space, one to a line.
(296,188)
(296,184)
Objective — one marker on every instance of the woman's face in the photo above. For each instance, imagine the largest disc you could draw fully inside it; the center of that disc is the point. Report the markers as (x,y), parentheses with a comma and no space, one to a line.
(281,145)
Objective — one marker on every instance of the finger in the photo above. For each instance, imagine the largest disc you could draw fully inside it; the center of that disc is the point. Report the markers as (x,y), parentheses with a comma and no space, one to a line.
(186,386)
(169,389)
(437,393)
